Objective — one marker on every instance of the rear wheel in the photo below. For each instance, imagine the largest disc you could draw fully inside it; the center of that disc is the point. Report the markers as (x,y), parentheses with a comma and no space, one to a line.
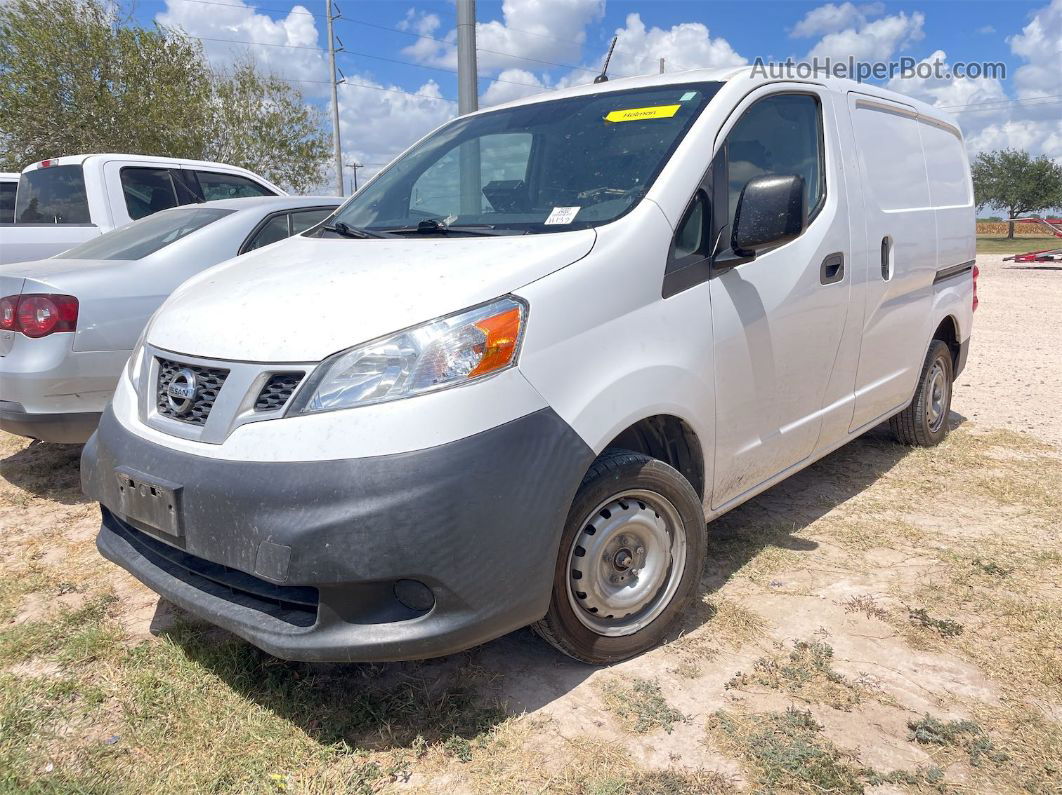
(925,422)
(630,559)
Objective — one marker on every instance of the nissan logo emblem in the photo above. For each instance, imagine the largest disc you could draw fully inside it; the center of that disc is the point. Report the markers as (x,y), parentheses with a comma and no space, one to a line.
(180,392)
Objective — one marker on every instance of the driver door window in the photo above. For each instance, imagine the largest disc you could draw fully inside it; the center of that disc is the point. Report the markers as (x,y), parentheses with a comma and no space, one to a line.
(781,134)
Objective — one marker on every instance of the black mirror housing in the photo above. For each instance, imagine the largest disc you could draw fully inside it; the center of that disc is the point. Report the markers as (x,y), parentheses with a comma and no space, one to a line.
(770,211)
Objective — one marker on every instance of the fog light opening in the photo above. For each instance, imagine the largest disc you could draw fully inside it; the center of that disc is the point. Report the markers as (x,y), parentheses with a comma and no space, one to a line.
(414,595)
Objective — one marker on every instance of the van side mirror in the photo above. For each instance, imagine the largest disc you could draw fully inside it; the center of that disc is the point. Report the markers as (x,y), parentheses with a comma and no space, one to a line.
(770,211)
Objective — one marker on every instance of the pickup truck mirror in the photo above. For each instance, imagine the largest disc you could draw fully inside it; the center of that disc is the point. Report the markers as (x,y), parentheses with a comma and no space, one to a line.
(770,211)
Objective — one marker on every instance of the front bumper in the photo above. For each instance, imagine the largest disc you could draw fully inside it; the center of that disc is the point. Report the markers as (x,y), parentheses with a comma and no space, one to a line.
(65,428)
(305,559)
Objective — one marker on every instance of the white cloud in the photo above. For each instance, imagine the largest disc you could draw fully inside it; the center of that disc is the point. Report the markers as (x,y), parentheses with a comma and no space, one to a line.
(551,31)
(984,30)
(1039,43)
(875,40)
(949,93)
(234,20)
(832,18)
(987,116)
(688,45)
(513,84)
(376,124)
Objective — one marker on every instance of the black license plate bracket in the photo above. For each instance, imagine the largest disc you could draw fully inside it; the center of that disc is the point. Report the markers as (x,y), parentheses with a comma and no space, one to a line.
(152,501)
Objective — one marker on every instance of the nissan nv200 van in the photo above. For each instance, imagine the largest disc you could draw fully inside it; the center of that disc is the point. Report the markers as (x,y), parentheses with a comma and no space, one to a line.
(511,380)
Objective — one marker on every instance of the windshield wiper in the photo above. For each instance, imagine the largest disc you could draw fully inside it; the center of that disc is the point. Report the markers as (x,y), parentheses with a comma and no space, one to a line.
(346,230)
(433,226)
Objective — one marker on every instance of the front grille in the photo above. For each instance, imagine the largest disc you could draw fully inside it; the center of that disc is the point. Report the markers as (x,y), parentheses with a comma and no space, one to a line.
(209,381)
(277,391)
(292,604)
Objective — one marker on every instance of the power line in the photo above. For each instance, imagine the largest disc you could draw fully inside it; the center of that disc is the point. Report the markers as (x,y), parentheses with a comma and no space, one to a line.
(378,26)
(357,54)
(997,104)
(349,82)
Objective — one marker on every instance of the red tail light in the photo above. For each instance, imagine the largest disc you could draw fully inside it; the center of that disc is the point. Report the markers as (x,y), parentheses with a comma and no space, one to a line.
(8,313)
(976,273)
(38,315)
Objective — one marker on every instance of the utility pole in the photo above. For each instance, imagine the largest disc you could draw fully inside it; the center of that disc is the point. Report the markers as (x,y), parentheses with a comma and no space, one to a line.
(354,170)
(661,66)
(467,82)
(336,148)
(468,102)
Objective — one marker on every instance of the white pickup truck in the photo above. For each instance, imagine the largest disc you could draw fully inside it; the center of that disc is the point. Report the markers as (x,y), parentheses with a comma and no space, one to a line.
(66,200)
(8,185)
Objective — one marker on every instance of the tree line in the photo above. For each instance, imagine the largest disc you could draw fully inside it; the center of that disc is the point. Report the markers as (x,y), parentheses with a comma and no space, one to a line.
(75,78)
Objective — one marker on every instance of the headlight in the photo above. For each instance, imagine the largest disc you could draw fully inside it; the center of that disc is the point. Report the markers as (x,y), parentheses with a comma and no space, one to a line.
(438,354)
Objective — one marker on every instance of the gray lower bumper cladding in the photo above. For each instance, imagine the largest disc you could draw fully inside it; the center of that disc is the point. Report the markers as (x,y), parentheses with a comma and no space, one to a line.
(395,557)
(72,428)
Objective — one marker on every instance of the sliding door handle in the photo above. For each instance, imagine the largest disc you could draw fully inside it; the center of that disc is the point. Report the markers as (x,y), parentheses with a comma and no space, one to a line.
(832,269)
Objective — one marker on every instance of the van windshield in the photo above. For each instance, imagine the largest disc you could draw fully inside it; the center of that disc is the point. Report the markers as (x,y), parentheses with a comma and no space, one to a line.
(550,166)
(54,195)
(146,236)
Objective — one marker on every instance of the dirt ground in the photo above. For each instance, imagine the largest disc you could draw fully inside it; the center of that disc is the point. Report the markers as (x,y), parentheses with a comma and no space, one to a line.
(886,621)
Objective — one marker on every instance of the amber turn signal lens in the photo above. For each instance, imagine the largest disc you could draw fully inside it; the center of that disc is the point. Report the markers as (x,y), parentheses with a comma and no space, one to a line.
(502,333)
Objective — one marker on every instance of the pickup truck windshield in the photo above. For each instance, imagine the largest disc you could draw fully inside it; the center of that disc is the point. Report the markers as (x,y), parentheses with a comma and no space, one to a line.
(53,195)
(146,236)
(549,166)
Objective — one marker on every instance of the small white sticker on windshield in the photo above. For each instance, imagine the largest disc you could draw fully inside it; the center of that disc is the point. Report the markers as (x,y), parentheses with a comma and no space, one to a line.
(562,215)
(687,96)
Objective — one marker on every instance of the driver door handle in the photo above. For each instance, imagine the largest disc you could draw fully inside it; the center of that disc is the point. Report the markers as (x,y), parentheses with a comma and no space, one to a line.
(832,269)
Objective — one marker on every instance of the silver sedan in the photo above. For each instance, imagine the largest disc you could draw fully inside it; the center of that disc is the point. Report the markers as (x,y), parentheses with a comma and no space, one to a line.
(69,323)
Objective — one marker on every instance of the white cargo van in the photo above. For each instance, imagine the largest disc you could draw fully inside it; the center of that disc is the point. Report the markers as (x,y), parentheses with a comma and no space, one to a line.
(512,378)
(67,200)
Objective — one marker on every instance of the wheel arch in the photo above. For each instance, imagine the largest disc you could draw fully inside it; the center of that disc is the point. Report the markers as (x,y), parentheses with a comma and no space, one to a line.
(667,438)
(947,331)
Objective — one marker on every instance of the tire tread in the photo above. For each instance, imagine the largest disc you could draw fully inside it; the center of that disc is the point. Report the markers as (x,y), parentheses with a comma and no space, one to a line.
(608,464)
(908,426)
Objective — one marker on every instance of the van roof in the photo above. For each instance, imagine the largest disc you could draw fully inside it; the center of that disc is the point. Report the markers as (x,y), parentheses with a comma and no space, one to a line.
(726,75)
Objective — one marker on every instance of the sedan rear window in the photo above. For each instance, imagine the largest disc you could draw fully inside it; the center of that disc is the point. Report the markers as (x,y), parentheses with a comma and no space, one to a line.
(146,236)
(54,195)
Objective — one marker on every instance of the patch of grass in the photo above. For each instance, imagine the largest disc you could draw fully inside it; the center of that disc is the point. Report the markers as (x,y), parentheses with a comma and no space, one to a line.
(963,734)
(785,752)
(1018,245)
(991,568)
(807,672)
(660,782)
(640,705)
(867,605)
(72,636)
(943,626)
(716,624)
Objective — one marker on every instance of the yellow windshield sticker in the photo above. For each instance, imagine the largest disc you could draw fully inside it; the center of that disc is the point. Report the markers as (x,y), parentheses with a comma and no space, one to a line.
(637,114)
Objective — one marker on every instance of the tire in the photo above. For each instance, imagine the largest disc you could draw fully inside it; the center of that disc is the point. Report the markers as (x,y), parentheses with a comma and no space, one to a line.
(924,423)
(630,559)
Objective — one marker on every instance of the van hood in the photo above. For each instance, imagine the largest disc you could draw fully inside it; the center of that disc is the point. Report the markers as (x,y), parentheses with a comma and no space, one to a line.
(306,298)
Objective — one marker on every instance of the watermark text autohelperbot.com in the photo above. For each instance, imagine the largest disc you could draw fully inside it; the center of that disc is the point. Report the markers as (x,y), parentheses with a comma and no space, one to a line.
(906,67)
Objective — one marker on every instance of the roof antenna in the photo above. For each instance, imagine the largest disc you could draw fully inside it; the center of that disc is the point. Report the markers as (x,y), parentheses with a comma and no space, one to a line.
(603,77)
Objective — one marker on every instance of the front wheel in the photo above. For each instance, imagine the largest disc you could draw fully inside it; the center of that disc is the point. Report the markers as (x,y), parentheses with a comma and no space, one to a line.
(629,562)
(925,422)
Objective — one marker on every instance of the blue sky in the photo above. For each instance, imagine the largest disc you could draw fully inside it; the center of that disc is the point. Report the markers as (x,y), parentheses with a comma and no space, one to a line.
(532,45)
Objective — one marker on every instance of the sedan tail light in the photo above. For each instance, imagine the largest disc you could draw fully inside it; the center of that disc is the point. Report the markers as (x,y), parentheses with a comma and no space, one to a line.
(38,314)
